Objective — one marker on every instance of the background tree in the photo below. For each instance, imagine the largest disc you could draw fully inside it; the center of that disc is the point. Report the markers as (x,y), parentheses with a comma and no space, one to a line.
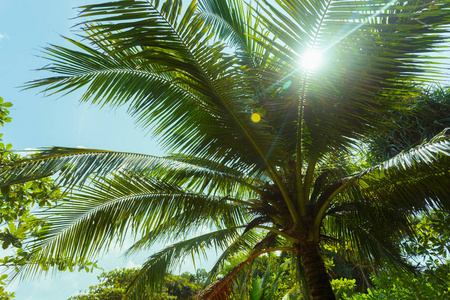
(20,225)
(113,286)
(16,203)
(265,139)
(429,252)
(427,114)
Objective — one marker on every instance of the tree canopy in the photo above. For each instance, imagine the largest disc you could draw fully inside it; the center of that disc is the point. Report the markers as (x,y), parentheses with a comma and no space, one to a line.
(113,286)
(427,114)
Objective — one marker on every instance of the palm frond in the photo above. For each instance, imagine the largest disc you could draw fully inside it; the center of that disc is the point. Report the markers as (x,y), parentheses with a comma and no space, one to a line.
(208,101)
(245,242)
(234,22)
(189,222)
(201,174)
(365,241)
(370,50)
(151,273)
(108,210)
(221,288)
(417,179)
(73,166)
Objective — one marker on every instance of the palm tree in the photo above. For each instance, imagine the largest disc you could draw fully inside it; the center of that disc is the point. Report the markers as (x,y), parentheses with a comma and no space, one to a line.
(267,141)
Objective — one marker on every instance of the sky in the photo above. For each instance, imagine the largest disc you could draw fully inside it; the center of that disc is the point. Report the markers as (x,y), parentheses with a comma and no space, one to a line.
(26,26)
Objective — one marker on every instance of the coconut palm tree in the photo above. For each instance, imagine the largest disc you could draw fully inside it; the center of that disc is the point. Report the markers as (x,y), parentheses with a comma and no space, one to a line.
(267,138)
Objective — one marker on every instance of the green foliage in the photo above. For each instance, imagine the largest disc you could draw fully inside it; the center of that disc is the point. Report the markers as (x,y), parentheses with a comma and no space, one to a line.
(21,227)
(431,244)
(179,287)
(268,277)
(391,284)
(16,204)
(4,112)
(4,294)
(427,113)
(343,287)
(113,286)
(428,251)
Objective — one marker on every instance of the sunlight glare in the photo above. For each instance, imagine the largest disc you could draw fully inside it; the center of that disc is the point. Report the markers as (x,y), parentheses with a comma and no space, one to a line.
(311,59)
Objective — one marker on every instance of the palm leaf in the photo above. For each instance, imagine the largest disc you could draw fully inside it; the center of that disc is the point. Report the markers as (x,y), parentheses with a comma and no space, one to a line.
(203,178)
(223,287)
(132,31)
(417,179)
(151,273)
(234,22)
(367,61)
(367,242)
(245,242)
(189,222)
(108,210)
(74,166)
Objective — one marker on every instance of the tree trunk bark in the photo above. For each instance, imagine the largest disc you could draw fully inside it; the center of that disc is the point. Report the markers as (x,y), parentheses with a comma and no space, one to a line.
(315,271)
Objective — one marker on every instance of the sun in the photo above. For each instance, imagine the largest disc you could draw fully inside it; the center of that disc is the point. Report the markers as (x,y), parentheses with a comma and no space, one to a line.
(311,60)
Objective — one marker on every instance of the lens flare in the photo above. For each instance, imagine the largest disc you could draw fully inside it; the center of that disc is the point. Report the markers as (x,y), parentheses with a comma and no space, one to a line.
(256,117)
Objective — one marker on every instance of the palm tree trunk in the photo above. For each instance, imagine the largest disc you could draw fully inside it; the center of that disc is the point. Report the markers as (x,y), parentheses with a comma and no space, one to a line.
(315,271)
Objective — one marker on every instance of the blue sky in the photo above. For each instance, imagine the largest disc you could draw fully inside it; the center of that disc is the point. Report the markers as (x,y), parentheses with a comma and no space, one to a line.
(25,27)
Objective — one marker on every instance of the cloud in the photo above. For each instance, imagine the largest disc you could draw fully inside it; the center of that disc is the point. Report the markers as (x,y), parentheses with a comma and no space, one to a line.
(3,36)
(27,151)
(131,265)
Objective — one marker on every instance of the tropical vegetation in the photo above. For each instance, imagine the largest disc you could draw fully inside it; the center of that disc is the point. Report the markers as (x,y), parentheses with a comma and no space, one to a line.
(19,223)
(429,252)
(265,143)
(427,114)
(113,286)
